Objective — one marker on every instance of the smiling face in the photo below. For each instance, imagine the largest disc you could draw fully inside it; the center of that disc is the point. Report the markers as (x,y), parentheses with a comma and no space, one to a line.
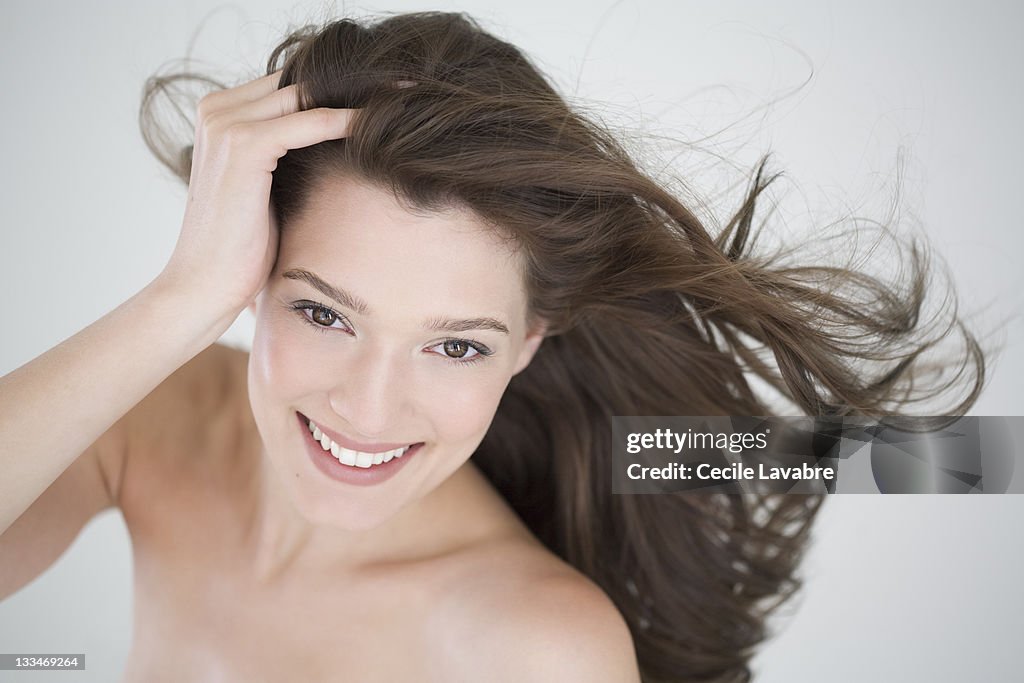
(348,334)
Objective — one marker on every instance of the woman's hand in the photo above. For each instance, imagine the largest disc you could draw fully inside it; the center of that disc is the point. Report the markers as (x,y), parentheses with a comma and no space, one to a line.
(229,238)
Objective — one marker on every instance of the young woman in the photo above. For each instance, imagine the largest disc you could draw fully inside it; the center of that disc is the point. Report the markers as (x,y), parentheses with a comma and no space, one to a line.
(457,282)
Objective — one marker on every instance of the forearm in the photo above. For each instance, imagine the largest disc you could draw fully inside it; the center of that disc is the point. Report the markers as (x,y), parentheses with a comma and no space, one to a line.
(55,406)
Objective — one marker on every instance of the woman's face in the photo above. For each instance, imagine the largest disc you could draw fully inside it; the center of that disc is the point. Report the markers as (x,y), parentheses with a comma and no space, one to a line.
(369,361)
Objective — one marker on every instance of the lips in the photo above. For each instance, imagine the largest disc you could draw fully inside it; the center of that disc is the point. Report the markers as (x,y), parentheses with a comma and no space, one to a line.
(354,445)
(331,466)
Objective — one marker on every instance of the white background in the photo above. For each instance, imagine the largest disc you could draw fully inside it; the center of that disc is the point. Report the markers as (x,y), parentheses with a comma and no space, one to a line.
(901,588)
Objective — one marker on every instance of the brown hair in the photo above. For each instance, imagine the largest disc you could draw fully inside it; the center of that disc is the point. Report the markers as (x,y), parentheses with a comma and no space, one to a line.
(648,314)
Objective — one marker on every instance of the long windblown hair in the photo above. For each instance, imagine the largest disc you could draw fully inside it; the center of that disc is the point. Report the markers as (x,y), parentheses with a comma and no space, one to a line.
(648,313)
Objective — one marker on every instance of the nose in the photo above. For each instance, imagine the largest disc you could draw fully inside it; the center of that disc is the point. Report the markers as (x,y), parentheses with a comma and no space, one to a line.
(370,394)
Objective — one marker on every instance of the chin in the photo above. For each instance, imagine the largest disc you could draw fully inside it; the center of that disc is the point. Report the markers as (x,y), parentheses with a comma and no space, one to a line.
(344,515)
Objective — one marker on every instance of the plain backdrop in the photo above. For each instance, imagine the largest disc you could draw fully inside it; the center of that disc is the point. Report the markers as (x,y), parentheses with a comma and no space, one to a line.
(850,97)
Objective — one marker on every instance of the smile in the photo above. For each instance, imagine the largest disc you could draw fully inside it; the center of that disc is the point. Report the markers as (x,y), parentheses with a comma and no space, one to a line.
(354,458)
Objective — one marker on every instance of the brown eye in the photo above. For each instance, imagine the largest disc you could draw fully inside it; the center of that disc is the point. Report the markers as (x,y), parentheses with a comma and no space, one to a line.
(456,348)
(457,351)
(324,317)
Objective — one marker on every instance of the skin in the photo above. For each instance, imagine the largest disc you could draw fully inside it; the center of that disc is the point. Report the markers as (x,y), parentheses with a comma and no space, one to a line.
(379,377)
(433,559)
(249,564)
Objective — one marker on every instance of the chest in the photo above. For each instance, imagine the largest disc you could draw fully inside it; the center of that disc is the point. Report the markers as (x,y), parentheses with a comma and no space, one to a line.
(199,632)
(199,617)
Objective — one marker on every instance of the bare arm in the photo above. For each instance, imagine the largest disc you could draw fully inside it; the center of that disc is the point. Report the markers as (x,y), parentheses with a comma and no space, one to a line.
(60,414)
(53,408)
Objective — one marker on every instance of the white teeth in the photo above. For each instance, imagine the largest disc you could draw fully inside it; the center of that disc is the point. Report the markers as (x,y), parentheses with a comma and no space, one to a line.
(347,457)
(355,458)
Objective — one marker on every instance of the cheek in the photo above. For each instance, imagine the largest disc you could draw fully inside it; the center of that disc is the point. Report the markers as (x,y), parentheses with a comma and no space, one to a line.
(462,410)
(462,406)
(280,365)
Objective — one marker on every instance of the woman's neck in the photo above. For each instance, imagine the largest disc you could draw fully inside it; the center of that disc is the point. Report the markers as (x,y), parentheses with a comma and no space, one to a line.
(463,510)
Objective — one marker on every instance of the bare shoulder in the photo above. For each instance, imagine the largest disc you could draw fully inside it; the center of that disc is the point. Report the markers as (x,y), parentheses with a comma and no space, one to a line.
(181,416)
(193,394)
(538,620)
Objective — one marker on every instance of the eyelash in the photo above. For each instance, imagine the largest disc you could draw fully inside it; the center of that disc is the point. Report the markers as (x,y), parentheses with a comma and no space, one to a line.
(300,307)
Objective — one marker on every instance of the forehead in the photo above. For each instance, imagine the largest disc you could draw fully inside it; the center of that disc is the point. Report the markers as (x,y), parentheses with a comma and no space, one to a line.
(359,237)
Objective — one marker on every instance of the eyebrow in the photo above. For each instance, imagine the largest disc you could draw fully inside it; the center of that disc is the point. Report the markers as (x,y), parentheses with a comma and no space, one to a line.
(356,304)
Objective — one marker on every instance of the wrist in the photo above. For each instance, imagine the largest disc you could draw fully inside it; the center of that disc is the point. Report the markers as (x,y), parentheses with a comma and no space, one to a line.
(197,312)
